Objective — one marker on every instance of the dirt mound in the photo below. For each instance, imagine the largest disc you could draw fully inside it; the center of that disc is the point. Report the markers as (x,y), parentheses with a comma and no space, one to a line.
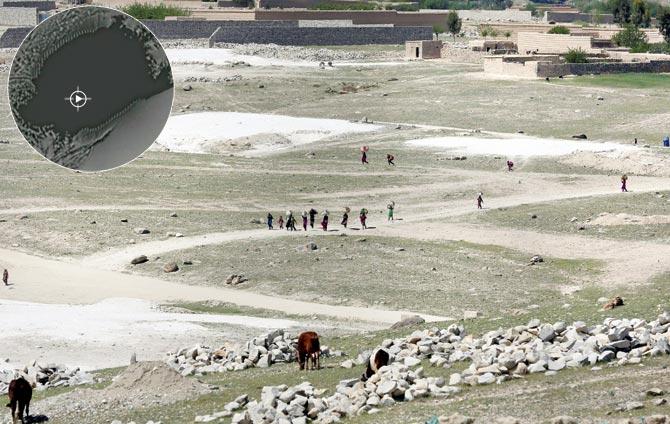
(149,378)
(140,385)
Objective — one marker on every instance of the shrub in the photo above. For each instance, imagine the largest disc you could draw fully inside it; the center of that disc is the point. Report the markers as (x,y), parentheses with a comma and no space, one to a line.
(633,38)
(487,31)
(664,24)
(576,56)
(559,29)
(154,11)
(659,48)
(339,6)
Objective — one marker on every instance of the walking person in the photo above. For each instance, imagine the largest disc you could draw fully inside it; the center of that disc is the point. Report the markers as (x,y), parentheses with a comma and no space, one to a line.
(312,215)
(363,216)
(270,218)
(280,221)
(390,158)
(289,220)
(5,277)
(324,221)
(345,217)
(390,208)
(624,180)
(304,220)
(480,200)
(510,166)
(364,155)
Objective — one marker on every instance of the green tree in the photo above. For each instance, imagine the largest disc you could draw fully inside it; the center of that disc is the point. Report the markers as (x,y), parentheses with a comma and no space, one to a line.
(559,29)
(437,30)
(632,37)
(664,24)
(640,14)
(621,9)
(454,23)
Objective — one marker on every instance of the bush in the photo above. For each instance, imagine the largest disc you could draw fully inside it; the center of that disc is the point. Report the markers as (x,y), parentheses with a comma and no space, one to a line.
(659,48)
(406,7)
(559,29)
(487,31)
(633,38)
(664,24)
(339,6)
(154,11)
(576,56)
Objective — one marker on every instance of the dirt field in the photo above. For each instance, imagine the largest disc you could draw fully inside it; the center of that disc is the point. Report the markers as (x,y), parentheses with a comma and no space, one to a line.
(68,238)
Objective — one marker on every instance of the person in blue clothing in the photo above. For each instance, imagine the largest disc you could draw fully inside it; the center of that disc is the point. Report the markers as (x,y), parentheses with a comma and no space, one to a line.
(270,218)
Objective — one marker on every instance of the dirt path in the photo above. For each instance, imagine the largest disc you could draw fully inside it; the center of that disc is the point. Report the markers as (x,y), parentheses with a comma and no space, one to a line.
(625,261)
(50,281)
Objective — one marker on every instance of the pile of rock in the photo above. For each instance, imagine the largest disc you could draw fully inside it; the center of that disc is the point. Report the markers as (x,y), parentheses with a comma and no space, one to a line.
(274,51)
(44,376)
(392,384)
(534,348)
(262,352)
(235,77)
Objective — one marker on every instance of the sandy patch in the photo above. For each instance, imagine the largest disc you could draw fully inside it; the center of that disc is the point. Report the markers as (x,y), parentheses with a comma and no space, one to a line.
(517,146)
(224,57)
(105,334)
(608,219)
(252,133)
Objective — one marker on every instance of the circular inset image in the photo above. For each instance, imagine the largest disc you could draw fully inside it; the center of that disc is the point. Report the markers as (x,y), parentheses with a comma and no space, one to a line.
(90,88)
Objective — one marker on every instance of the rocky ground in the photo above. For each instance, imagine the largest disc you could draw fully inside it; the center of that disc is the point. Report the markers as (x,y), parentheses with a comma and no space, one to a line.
(505,335)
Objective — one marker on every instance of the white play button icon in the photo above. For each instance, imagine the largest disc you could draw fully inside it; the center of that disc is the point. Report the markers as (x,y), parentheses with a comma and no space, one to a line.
(78,99)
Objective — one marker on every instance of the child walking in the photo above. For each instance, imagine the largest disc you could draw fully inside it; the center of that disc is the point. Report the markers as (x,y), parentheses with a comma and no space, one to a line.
(363,216)
(390,208)
(270,218)
(345,217)
(280,221)
(324,221)
(480,200)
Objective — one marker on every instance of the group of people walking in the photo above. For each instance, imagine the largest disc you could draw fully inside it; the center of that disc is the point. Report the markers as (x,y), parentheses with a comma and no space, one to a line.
(309,218)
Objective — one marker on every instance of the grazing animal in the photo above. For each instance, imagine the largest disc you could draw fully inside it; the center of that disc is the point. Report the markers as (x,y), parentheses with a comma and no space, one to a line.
(20,392)
(613,303)
(308,348)
(378,359)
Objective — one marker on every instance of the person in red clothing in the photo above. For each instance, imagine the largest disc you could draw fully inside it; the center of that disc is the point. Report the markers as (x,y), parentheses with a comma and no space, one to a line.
(363,216)
(280,221)
(364,154)
(624,180)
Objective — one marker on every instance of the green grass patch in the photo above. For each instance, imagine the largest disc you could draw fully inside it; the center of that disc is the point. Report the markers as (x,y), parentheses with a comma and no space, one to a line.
(154,11)
(630,80)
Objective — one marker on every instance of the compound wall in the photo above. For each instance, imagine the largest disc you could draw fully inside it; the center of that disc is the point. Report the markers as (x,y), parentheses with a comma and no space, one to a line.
(189,29)
(41,5)
(368,17)
(18,16)
(569,17)
(12,37)
(321,36)
(545,70)
(551,43)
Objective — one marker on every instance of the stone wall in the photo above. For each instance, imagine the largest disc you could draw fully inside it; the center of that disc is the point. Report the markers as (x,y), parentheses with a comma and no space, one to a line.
(189,29)
(295,4)
(367,17)
(552,43)
(509,15)
(321,36)
(18,16)
(545,70)
(12,37)
(570,17)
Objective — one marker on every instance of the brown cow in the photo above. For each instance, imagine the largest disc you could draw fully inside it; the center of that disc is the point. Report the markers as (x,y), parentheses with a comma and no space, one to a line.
(308,348)
(378,359)
(20,392)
